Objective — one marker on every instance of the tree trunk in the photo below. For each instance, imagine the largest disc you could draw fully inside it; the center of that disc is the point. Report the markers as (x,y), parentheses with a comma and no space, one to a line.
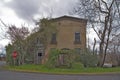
(94,46)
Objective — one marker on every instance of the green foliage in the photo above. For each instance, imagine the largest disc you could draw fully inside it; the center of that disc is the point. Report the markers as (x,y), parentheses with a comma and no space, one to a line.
(26,45)
(19,44)
(88,59)
(52,60)
(61,58)
(9,50)
(70,58)
(46,29)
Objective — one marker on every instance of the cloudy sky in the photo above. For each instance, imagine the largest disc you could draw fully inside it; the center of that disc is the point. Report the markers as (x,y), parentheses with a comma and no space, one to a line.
(26,11)
(31,9)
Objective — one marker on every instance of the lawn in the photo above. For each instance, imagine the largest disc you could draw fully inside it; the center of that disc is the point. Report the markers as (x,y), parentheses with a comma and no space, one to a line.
(77,70)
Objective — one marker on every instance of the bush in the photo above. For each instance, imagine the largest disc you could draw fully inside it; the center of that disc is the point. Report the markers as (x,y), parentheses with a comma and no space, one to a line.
(60,58)
(68,59)
(88,59)
(52,60)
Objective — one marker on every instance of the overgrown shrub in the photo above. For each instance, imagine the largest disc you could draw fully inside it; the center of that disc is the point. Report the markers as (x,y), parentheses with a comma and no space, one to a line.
(52,60)
(67,59)
(88,59)
(61,58)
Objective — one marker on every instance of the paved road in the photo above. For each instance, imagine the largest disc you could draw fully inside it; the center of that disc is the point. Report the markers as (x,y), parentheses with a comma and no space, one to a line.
(10,75)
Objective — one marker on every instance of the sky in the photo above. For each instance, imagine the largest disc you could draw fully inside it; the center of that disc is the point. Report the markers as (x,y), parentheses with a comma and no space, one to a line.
(19,12)
(28,10)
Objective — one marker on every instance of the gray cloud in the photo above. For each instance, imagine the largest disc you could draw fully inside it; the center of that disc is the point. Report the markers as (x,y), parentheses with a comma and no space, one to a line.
(26,9)
(1,5)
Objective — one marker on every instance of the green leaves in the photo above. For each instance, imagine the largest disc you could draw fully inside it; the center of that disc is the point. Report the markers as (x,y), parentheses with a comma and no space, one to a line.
(88,59)
(52,60)
(46,29)
(61,58)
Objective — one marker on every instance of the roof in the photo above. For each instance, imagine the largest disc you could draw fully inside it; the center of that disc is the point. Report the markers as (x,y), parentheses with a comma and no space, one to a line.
(69,18)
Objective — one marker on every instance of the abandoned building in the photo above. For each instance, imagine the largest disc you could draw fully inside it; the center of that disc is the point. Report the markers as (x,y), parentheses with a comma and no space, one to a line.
(71,35)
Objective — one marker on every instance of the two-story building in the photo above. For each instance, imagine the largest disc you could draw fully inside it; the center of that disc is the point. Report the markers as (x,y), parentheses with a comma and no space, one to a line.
(71,35)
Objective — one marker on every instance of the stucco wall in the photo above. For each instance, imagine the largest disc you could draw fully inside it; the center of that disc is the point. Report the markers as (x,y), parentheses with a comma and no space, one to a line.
(66,34)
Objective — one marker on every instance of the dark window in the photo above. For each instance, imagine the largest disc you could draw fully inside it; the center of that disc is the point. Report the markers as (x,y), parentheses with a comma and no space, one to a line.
(53,39)
(40,54)
(77,37)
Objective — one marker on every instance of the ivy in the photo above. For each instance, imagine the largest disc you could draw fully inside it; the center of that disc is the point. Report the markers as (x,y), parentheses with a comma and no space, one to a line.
(61,58)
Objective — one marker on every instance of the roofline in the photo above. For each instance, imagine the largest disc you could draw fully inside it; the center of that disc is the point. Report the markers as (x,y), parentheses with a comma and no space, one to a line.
(69,17)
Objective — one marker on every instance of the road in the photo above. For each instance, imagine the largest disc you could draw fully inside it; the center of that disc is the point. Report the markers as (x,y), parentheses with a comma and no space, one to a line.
(11,75)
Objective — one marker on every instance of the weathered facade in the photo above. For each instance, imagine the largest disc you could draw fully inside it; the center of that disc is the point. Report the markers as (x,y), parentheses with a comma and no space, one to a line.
(71,34)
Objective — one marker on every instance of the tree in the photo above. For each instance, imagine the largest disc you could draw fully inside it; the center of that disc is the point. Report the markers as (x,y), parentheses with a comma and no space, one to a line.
(103,16)
(3,28)
(114,44)
(27,45)
(88,59)
(114,48)
(9,50)
(17,33)
(46,28)
(17,37)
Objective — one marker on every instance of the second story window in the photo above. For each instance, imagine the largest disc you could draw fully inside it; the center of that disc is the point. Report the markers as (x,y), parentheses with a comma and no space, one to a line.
(77,37)
(53,39)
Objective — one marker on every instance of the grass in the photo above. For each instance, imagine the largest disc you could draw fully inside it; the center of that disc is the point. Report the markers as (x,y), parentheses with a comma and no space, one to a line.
(76,70)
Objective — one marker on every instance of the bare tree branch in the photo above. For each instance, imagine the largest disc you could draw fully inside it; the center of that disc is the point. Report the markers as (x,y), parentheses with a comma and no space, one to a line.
(96,32)
(99,7)
(105,4)
(3,23)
